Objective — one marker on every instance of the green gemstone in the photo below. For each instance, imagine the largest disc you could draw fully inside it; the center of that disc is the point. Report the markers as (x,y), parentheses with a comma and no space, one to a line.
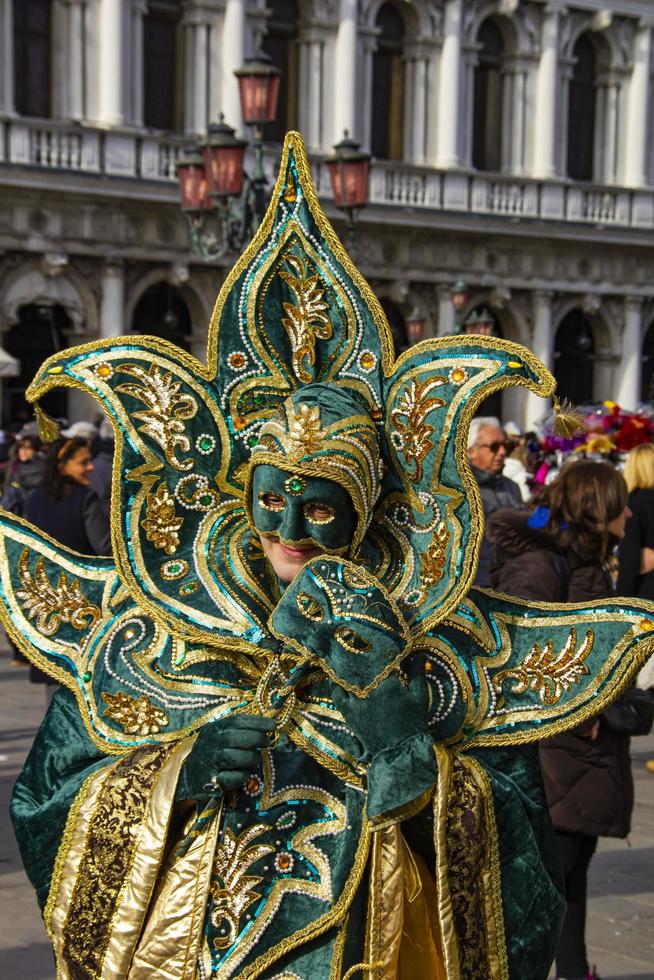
(259,399)
(205,443)
(86,677)
(252,441)
(206,499)
(174,568)
(296,485)
(179,660)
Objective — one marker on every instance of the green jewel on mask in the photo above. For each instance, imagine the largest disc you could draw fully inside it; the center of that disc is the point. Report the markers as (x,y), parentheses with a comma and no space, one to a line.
(302,509)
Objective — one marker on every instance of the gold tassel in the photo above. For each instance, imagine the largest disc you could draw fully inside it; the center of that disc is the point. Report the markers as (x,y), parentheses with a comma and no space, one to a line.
(568,420)
(48,428)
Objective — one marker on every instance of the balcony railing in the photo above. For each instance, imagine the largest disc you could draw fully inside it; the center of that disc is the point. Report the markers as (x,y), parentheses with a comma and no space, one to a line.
(49,145)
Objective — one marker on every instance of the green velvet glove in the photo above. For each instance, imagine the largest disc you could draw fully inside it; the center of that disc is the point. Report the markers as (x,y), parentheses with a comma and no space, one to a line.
(224,754)
(391,724)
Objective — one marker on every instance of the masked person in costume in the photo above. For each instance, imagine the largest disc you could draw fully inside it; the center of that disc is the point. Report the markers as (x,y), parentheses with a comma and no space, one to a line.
(293,741)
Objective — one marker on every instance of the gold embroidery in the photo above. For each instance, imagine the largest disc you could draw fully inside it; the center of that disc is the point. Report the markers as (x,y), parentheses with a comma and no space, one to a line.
(309,320)
(53,605)
(466,845)
(305,435)
(432,562)
(412,431)
(112,842)
(161,524)
(233,889)
(167,410)
(549,675)
(137,716)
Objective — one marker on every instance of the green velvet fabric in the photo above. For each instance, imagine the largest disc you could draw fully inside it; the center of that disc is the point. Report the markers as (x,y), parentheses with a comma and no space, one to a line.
(61,758)
(293,523)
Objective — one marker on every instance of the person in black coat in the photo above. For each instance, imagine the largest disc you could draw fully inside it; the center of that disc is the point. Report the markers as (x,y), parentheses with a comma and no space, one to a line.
(67,509)
(634,578)
(558,554)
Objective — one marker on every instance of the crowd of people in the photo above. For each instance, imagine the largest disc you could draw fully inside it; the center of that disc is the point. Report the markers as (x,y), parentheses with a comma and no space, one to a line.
(561,545)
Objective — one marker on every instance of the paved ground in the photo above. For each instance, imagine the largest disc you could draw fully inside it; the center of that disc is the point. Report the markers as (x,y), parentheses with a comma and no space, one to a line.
(621,917)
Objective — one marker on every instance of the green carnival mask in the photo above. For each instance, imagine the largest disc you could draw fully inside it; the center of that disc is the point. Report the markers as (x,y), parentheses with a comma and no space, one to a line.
(302,508)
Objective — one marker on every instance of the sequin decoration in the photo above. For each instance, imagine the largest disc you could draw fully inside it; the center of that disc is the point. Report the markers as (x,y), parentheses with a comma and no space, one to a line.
(549,675)
(432,562)
(411,433)
(51,605)
(161,523)
(305,432)
(307,320)
(136,716)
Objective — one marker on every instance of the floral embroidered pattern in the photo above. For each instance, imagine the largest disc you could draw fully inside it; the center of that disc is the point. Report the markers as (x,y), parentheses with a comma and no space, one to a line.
(166,410)
(432,562)
(307,321)
(161,523)
(233,890)
(111,845)
(305,433)
(411,435)
(546,673)
(51,605)
(136,716)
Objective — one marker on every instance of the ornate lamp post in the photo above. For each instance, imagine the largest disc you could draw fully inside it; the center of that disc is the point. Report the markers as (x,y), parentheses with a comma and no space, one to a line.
(459,294)
(415,326)
(224,205)
(479,322)
(348,171)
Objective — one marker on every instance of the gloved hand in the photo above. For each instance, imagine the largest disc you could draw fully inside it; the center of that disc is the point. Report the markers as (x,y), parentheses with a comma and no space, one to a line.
(387,716)
(391,724)
(225,752)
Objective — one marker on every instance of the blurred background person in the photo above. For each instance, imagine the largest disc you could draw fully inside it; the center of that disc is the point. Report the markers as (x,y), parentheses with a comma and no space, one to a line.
(558,553)
(636,567)
(67,509)
(103,458)
(23,475)
(487,450)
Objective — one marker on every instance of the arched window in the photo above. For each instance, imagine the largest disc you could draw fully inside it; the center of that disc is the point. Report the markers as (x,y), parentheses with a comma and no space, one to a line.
(161,65)
(42,330)
(574,345)
(487,112)
(280,42)
(162,312)
(388,86)
(32,44)
(581,111)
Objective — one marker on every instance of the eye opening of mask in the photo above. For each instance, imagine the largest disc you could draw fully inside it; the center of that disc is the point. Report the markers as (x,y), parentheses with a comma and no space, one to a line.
(270,500)
(318,512)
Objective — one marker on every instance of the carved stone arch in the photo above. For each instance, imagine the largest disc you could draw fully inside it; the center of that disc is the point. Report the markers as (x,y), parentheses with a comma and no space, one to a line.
(368,15)
(619,39)
(52,284)
(607,341)
(583,24)
(507,25)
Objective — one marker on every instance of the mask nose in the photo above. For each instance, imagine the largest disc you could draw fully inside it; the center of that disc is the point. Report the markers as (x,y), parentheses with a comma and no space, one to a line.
(292,526)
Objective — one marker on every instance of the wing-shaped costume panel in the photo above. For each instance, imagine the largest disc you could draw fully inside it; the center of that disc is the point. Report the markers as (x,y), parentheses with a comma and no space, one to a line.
(526,671)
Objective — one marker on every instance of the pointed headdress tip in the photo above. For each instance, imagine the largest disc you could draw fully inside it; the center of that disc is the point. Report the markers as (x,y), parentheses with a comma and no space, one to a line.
(568,420)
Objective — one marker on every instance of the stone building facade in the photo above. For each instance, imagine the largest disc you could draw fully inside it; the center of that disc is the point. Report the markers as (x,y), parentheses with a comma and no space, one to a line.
(511,143)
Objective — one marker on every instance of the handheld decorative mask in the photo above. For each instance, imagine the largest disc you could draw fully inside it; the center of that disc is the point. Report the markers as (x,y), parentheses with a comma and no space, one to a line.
(300,510)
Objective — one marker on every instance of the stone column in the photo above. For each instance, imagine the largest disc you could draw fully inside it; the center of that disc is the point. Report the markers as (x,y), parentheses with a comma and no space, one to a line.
(639,108)
(449,90)
(369,45)
(630,367)
(543,346)
(111,64)
(609,110)
(346,72)
(312,85)
(446,319)
(547,97)
(112,300)
(233,56)
(76,60)
(139,9)
(197,34)
(518,119)
(7,58)
(416,136)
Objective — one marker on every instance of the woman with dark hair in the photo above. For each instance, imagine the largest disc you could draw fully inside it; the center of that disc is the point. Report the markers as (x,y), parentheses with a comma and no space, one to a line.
(65,506)
(558,553)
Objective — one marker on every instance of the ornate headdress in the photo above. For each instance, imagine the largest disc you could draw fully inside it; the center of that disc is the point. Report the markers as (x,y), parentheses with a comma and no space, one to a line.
(300,373)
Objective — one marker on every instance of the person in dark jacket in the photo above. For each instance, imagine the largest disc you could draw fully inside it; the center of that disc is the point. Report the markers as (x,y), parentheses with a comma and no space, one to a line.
(67,509)
(487,449)
(558,553)
(634,578)
(24,474)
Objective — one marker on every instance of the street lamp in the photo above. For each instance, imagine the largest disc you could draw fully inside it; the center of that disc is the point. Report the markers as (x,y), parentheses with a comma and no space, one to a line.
(224,205)
(348,171)
(459,294)
(415,326)
(479,322)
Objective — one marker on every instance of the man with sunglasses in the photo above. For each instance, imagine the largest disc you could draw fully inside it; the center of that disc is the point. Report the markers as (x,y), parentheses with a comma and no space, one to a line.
(487,450)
